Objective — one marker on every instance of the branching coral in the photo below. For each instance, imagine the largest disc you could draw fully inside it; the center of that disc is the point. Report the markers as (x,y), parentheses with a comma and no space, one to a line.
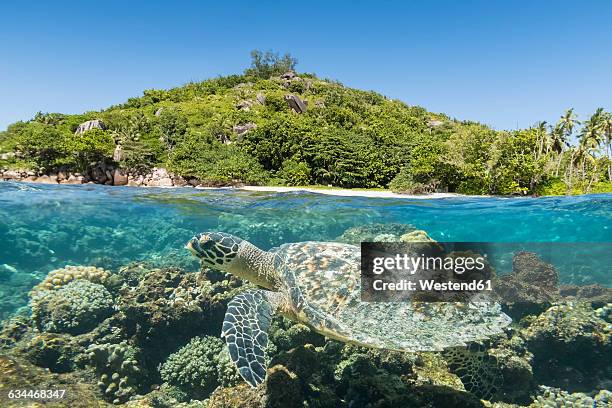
(118,370)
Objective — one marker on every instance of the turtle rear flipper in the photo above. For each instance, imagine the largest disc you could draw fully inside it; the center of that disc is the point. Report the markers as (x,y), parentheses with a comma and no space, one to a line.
(479,371)
(245,329)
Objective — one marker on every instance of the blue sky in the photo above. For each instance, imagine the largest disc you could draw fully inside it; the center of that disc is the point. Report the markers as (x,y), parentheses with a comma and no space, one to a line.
(503,63)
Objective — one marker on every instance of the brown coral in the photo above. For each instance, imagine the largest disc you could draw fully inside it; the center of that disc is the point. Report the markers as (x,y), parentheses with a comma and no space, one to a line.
(60,277)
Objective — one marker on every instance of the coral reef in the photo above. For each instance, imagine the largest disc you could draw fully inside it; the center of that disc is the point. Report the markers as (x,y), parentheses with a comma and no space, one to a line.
(416,236)
(596,294)
(572,347)
(195,367)
(75,308)
(59,278)
(556,398)
(14,288)
(117,368)
(370,232)
(149,337)
(163,308)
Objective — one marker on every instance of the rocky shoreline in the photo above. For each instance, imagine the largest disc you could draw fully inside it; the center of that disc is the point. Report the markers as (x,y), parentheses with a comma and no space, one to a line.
(160,177)
(103,174)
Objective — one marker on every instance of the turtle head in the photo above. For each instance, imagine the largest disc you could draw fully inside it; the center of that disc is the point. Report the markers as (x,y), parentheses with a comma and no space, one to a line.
(217,250)
(228,253)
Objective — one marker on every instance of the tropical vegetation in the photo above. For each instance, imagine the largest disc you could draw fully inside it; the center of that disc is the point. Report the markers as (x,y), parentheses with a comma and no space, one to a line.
(244,129)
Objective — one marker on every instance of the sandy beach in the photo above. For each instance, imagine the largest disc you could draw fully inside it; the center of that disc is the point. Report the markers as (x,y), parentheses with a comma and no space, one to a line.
(349,193)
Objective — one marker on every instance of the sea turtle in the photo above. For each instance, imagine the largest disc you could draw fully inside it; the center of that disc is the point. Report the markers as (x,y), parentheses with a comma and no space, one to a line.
(318,284)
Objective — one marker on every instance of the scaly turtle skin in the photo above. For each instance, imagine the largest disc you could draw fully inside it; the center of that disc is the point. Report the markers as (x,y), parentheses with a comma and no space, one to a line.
(319,284)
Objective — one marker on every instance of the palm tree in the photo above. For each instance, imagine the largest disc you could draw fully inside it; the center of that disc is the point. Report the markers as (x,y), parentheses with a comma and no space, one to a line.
(541,137)
(607,134)
(592,132)
(561,134)
(591,138)
(568,121)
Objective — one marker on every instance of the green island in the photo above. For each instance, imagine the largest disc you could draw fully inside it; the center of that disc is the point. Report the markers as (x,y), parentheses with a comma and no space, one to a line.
(276,127)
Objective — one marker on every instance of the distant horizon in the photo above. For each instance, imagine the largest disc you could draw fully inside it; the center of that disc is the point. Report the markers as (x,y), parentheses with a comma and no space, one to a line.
(506,65)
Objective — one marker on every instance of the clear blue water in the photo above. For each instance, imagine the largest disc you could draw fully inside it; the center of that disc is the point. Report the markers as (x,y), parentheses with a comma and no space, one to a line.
(44,227)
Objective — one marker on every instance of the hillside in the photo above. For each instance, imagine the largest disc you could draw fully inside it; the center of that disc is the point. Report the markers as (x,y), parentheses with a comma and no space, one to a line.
(272,126)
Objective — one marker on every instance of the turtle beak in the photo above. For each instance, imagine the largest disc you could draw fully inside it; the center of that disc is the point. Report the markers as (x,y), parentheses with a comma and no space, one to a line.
(192,245)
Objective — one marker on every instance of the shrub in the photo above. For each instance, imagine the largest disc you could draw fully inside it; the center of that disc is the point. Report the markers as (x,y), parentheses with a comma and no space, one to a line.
(202,157)
(295,173)
(404,183)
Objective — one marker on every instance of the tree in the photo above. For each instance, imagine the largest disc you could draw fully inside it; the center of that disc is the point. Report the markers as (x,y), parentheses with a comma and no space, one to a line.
(41,144)
(542,139)
(265,65)
(172,126)
(590,140)
(561,135)
(89,148)
(607,133)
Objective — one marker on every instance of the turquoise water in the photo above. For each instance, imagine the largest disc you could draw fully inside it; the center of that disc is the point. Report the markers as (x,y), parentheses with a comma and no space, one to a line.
(44,227)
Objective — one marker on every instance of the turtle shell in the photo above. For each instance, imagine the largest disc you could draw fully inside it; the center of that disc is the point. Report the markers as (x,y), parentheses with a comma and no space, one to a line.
(323,280)
(326,274)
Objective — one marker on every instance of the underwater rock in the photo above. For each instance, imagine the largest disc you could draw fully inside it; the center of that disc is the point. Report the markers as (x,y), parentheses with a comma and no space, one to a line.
(528,265)
(54,351)
(302,376)
(595,293)
(531,287)
(286,335)
(605,312)
(195,367)
(17,373)
(117,368)
(385,238)
(240,396)
(572,347)
(12,330)
(366,378)
(75,308)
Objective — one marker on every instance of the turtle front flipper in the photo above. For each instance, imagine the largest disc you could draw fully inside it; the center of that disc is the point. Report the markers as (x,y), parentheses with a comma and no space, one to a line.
(245,329)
